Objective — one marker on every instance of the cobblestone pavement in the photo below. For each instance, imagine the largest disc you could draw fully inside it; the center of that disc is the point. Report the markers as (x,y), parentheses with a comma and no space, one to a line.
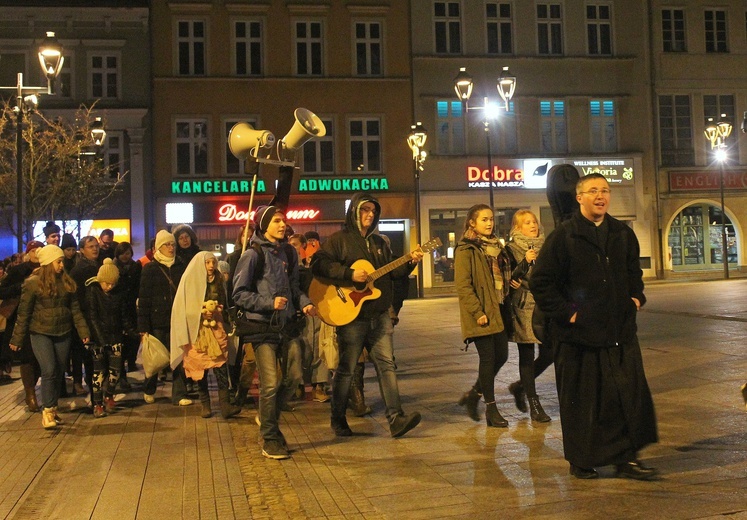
(161,461)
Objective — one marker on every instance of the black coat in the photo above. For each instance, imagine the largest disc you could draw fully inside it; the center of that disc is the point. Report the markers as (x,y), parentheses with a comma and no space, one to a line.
(107,315)
(129,283)
(606,409)
(158,285)
(573,274)
(83,270)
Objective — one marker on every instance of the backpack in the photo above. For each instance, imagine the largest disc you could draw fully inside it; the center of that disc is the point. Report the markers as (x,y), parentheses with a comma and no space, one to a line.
(259,266)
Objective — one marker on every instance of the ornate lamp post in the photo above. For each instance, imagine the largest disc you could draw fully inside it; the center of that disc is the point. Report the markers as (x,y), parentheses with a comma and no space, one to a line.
(50,60)
(506,86)
(716,133)
(416,141)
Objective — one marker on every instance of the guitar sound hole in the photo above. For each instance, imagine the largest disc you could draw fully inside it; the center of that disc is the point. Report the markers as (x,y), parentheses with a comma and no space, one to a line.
(360,286)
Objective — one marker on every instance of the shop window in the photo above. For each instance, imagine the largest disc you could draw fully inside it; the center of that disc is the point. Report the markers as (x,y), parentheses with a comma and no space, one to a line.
(448,225)
(695,238)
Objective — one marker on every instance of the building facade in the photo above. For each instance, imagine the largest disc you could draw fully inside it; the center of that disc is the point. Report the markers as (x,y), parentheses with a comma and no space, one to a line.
(582,97)
(217,63)
(107,65)
(698,57)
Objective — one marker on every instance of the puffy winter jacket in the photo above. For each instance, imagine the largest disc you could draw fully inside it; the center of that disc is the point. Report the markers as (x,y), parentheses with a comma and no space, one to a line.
(158,285)
(49,315)
(107,314)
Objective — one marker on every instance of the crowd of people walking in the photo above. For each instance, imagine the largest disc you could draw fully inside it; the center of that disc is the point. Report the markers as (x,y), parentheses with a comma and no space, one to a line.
(569,299)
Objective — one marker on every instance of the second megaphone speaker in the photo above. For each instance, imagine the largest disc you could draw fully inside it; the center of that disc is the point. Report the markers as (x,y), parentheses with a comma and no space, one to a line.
(244,141)
(307,126)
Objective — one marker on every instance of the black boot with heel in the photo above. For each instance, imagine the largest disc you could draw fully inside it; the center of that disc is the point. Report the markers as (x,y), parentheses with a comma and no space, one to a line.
(536,412)
(494,417)
(470,400)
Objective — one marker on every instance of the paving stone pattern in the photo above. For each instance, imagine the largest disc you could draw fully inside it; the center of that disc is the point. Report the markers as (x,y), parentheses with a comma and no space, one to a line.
(161,461)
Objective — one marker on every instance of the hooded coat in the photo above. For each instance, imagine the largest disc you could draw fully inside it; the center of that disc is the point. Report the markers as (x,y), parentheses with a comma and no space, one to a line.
(186,254)
(345,247)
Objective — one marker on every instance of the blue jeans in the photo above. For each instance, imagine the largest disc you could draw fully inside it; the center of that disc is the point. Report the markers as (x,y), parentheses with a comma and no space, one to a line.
(52,353)
(274,392)
(376,334)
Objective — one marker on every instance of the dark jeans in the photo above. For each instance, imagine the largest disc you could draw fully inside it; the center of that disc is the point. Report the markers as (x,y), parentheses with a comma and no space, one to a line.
(273,391)
(51,352)
(179,387)
(376,334)
(493,352)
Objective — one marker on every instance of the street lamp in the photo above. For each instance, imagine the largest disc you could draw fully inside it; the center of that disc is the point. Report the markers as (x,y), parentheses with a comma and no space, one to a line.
(50,61)
(716,133)
(416,141)
(506,85)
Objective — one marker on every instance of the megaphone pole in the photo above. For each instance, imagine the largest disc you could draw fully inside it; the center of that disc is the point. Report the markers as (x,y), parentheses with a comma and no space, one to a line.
(251,205)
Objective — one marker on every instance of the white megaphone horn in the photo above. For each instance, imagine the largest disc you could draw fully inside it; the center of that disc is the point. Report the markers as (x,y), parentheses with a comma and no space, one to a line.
(244,141)
(307,126)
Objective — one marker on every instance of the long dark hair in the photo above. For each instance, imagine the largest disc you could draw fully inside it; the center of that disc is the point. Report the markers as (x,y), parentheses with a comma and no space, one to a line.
(472,214)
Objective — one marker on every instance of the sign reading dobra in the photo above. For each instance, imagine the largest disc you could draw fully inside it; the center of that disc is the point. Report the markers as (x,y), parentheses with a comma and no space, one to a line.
(231,213)
(707,181)
(215,187)
(532,174)
(336,184)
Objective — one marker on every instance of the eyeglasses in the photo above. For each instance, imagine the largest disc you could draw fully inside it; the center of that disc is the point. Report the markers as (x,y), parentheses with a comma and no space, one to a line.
(367,210)
(594,191)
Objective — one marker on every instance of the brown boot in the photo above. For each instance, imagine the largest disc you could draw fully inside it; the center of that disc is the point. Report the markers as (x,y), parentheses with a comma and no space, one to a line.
(29,385)
(356,398)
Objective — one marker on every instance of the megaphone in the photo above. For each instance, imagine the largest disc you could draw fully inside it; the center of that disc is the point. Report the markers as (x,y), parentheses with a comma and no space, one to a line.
(307,126)
(244,141)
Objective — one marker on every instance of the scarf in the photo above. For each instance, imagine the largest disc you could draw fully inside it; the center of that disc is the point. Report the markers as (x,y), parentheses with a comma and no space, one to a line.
(520,244)
(163,259)
(496,256)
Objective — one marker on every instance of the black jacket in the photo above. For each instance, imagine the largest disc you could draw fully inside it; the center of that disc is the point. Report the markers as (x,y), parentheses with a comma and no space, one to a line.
(158,285)
(107,315)
(343,248)
(129,283)
(83,270)
(574,274)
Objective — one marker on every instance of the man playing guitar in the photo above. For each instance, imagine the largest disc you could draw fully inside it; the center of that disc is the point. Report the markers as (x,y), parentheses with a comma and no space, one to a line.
(372,327)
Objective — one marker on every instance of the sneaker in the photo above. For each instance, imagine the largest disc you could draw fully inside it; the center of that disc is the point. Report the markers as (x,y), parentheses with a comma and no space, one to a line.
(109,404)
(401,424)
(273,449)
(184,402)
(98,411)
(320,394)
(149,398)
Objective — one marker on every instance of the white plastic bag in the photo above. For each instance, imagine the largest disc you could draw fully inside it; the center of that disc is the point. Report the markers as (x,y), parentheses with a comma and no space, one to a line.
(153,355)
(328,349)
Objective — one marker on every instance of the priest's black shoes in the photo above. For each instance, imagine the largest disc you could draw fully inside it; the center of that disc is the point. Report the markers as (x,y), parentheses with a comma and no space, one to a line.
(636,470)
(583,473)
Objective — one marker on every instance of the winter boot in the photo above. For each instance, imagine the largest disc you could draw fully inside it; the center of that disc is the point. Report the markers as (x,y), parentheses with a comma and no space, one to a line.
(29,385)
(536,412)
(520,398)
(227,410)
(494,417)
(470,400)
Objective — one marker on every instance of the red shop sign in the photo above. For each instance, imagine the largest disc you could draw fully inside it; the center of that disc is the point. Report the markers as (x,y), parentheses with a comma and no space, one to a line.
(230,213)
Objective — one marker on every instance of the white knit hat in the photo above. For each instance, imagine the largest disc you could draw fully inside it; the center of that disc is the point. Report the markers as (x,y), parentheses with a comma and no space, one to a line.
(163,237)
(48,254)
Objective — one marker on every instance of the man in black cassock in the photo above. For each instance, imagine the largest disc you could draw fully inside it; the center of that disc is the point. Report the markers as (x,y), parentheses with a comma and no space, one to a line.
(588,281)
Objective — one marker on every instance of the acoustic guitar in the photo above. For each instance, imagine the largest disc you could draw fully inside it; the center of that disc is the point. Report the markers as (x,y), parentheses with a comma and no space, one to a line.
(339,304)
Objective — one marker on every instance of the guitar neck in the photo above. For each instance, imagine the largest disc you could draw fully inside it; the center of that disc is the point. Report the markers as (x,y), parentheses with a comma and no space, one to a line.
(391,266)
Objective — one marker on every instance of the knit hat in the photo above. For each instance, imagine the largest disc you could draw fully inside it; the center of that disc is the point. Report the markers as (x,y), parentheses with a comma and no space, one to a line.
(51,228)
(33,245)
(108,272)
(49,254)
(312,235)
(163,237)
(68,240)
(263,216)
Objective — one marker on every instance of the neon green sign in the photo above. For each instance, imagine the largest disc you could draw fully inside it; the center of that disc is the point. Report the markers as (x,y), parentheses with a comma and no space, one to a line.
(343,184)
(215,187)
